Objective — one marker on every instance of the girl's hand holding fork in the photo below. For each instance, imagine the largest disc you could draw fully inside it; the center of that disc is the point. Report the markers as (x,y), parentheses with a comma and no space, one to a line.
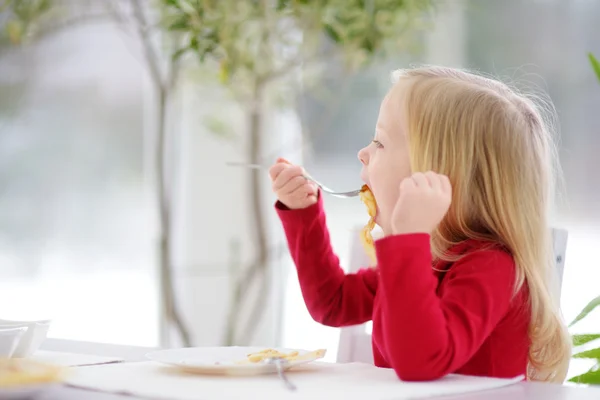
(291,187)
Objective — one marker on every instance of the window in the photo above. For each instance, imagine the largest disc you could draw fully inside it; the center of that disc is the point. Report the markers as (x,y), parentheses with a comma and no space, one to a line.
(76,225)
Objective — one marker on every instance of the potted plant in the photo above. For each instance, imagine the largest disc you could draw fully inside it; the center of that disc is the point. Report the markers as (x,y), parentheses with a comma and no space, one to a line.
(259,50)
(592,376)
(263,50)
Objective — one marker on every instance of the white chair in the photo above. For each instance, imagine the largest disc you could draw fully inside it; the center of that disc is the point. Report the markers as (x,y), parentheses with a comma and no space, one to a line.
(559,239)
(355,341)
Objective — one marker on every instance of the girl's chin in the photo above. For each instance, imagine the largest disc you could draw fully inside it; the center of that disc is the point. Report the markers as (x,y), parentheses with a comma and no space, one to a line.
(377,221)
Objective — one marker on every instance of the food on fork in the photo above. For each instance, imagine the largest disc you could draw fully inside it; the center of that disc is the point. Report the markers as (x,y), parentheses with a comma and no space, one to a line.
(366,196)
(21,372)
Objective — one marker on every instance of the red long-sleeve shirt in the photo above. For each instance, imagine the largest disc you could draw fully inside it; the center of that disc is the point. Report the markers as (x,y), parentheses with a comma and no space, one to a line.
(426,324)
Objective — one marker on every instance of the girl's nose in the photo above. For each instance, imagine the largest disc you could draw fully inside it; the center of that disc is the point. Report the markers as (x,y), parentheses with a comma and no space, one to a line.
(363,156)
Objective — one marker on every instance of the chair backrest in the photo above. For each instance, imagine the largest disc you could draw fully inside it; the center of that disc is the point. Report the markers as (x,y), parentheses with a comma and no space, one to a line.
(559,239)
(355,341)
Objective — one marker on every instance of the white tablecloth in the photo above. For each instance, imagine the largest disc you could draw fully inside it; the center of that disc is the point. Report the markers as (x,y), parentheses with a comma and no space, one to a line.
(315,381)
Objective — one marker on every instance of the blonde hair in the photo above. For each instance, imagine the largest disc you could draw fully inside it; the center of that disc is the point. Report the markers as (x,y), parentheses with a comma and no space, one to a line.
(499,154)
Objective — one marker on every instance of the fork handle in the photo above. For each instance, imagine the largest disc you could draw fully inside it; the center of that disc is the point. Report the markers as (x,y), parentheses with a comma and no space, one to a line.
(259,166)
(283,376)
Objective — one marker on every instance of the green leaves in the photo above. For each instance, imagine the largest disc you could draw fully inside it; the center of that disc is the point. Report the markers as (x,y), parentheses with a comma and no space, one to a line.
(587,309)
(592,377)
(219,127)
(331,33)
(181,23)
(15,31)
(579,340)
(595,64)
(29,9)
(261,40)
(23,14)
(589,354)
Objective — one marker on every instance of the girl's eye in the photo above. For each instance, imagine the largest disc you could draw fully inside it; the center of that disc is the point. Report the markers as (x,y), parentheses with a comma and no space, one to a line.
(377,143)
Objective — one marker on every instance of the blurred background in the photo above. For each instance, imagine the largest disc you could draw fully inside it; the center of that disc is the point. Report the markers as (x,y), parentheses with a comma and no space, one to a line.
(80,233)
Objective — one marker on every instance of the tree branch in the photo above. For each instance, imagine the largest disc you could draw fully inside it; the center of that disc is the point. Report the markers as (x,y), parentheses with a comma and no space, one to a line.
(163,86)
(243,283)
(123,22)
(260,304)
(174,72)
(149,51)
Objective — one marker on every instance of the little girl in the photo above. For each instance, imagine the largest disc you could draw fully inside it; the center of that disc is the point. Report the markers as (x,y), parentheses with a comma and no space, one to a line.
(461,170)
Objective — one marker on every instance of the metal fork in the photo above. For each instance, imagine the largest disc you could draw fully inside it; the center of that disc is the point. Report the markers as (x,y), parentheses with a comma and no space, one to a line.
(278,362)
(344,195)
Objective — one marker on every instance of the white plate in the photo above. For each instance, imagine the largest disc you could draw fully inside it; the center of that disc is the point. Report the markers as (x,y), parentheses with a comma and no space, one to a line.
(227,360)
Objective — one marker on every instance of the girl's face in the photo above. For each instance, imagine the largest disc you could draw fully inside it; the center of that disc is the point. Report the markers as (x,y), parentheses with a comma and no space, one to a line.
(385,161)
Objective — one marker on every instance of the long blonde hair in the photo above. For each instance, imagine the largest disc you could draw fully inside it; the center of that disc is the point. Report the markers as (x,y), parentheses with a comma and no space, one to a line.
(500,157)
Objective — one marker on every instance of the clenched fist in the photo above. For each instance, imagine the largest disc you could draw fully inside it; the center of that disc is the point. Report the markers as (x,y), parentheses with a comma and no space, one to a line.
(290,185)
(424,200)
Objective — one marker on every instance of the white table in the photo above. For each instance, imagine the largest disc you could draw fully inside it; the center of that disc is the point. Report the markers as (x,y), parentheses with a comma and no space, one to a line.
(520,391)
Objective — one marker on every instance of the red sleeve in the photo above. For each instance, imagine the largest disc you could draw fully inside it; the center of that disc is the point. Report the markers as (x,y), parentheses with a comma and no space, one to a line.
(332,297)
(428,335)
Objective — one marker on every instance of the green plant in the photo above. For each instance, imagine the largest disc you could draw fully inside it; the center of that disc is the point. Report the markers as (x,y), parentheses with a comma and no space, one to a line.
(593,375)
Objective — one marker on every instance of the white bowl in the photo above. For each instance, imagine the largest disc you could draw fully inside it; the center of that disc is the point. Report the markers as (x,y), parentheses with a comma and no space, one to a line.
(32,339)
(9,340)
